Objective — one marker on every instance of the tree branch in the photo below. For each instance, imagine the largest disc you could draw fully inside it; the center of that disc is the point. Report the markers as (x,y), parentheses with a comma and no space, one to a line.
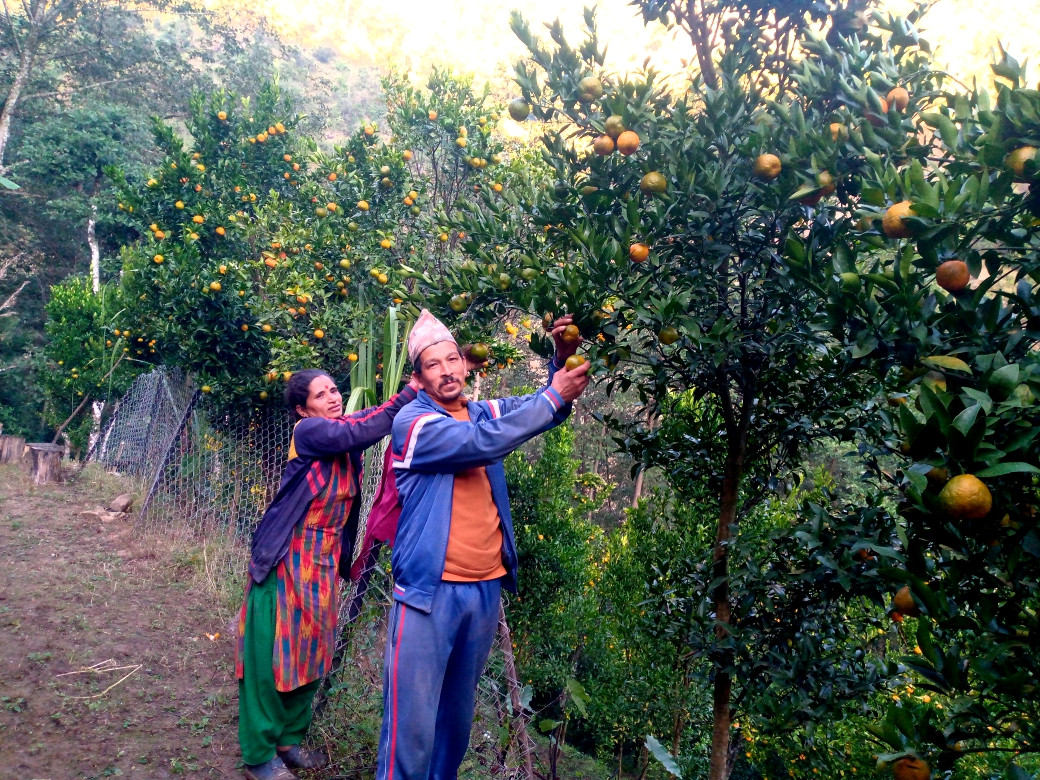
(14,34)
(66,92)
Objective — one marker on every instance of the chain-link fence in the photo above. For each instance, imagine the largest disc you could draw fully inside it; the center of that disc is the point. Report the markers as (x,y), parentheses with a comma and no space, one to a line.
(208,477)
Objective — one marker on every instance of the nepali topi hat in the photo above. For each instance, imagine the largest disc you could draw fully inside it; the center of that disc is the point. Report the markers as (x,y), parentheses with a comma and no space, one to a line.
(427,331)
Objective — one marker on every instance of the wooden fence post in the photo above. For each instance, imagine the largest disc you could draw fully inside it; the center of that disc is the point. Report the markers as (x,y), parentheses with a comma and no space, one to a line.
(11,448)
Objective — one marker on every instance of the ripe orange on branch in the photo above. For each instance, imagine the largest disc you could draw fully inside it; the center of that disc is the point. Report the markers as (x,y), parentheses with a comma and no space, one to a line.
(904,602)
(603,145)
(573,362)
(966,497)
(911,768)
(899,98)
(1017,160)
(638,252)
(892,225)
(628,142)
(953,275)
(767,167)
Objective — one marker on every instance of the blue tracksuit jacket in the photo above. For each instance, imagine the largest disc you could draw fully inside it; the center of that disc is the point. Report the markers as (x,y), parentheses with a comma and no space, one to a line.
(429,446)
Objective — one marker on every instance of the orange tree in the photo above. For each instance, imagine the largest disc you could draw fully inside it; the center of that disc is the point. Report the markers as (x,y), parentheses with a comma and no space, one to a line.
(726,243)
(951,192)
(261,254)
(82,362)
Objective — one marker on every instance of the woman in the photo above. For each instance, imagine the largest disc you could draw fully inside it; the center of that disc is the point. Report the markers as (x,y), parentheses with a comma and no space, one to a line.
(287,627)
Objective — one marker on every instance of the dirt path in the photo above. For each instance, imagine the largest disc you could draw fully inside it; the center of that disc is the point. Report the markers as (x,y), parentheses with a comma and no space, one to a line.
(76,594)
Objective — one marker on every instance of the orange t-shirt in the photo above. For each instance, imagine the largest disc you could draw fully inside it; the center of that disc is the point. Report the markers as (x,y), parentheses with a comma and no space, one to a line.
(475,537)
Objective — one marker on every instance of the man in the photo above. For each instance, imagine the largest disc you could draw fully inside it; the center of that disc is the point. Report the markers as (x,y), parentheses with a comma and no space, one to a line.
(454,547)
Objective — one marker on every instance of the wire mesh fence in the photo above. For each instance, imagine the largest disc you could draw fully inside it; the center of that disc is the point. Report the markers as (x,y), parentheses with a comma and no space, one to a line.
(208,476)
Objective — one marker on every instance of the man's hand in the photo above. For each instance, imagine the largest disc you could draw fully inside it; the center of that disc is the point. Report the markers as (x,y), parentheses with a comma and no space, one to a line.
(571,384)
(565,346)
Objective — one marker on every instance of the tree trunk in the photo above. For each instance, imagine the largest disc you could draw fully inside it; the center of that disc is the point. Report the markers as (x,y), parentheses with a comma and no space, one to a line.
(95,250)
(46,465)
(26,59)
(723,688)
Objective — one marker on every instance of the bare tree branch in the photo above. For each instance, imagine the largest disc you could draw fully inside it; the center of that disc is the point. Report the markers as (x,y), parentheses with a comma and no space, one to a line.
(67,92)
(14,34)
(11,300)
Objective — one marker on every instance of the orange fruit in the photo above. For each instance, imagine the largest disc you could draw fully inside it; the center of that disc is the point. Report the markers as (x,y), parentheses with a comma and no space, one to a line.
(319,334)
(215,286)
(653,183)
(222,115)
(573,362)
(766,167)
(966,497)
(838,131)
(386,243)
(1017,160)
(668,335)
(571,334)
(826,181)
(911,768)
(433,118)
(638,253)
(198,219)
(479,352)
(953,275)
(362,205)
(590,89)
(603,145)
(878,119)
(220,231)
(614,126)
(158,259)
(898,97)
(332,176)
(904,602)
(892,224)
(406,155)
(519,109)
(628,142)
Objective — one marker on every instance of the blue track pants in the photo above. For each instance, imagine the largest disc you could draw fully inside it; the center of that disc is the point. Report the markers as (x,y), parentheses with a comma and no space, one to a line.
(432,667)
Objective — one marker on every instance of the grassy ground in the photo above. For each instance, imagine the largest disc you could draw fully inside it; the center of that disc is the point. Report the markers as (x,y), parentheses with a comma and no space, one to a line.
(114,658)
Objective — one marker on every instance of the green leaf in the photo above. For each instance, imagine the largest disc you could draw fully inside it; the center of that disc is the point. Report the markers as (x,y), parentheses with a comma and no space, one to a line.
(658,751)
(547,724)
(5,182)
(578,695)
(1008,468)
(947,362)
(963,421)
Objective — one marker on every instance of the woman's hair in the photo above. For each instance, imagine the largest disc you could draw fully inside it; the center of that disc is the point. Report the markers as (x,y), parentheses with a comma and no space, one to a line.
(298,389)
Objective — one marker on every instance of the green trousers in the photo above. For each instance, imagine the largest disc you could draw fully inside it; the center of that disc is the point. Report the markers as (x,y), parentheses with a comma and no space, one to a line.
(267,718)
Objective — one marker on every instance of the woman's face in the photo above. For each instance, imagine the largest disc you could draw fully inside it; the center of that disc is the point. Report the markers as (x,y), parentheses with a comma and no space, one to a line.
(323,399)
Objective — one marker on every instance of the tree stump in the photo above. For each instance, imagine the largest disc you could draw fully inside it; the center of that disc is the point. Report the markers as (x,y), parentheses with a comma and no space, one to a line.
(11,449)
(46,466)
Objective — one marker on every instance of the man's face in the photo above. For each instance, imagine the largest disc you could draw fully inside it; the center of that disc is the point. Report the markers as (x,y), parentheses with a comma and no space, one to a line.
(443,372)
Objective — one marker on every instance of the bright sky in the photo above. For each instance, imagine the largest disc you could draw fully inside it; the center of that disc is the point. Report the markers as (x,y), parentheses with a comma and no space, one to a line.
(474,37)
